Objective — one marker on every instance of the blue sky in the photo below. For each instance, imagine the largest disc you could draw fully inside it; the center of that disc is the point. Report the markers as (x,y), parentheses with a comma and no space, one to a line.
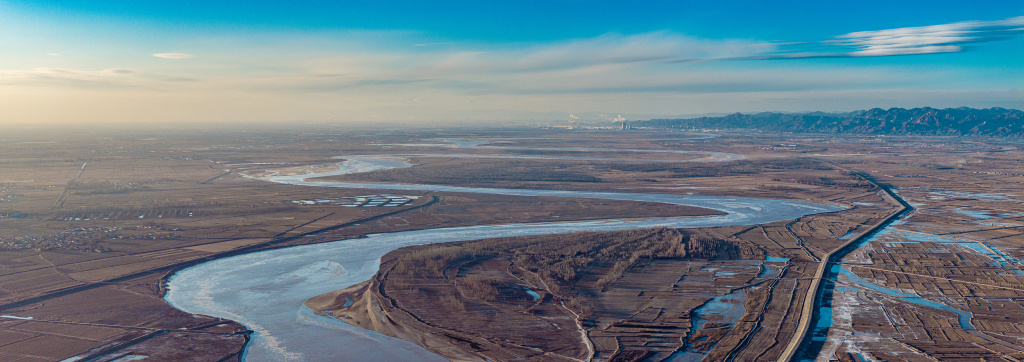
(426,62)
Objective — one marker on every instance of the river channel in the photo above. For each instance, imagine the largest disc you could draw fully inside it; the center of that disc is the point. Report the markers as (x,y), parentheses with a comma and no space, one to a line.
(265,291)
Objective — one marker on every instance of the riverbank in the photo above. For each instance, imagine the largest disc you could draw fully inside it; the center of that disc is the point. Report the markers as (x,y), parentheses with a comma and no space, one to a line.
(360,306)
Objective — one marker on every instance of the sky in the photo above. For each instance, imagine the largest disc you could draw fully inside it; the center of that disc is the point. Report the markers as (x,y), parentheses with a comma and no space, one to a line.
(434,62)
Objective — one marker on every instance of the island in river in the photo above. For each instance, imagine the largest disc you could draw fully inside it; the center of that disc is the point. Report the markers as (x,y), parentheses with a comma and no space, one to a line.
(622,295)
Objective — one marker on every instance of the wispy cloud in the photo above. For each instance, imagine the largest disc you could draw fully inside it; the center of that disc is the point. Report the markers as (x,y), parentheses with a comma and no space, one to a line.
(364,76)
(656,62)
(105,78)
(174,55)
(601,62)
(609,49)
(933,39)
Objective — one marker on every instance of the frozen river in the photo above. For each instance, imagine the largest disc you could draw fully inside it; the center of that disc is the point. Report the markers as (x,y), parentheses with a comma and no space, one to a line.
(266,290)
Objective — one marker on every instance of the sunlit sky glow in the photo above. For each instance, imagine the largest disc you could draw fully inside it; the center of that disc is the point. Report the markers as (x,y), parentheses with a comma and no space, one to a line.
(425,62)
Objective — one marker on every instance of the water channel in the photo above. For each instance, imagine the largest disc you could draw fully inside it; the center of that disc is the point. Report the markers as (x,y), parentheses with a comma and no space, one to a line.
(824,340)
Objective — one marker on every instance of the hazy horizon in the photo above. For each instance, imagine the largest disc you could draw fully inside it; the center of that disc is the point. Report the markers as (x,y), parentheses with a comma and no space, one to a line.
(422,64)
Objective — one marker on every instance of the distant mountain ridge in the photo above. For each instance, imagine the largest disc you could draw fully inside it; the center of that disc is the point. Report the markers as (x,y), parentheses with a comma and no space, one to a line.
(963,121)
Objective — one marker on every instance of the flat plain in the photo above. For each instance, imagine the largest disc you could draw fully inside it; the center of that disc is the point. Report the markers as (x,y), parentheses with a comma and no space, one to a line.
(94,224)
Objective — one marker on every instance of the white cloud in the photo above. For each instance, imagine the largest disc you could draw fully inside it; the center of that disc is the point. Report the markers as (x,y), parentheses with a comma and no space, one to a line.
(944,38)
(932,39)
(174,55)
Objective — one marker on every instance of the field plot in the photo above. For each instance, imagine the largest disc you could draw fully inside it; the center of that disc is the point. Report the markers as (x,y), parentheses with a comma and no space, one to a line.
(896,299)
(91,224)
(945,298)
(945,281)
(732,292)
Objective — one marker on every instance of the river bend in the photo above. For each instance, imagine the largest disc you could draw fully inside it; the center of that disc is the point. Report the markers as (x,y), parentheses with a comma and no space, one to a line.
(265,290)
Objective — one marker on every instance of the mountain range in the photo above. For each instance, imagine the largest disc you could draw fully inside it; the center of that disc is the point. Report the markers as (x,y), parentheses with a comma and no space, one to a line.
(963,121)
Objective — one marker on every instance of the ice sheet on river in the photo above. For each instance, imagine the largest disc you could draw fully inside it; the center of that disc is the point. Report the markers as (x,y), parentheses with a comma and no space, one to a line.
(265,291)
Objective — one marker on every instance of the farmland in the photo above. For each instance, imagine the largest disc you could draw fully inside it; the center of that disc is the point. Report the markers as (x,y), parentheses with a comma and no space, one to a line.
(943,282)
(93,225)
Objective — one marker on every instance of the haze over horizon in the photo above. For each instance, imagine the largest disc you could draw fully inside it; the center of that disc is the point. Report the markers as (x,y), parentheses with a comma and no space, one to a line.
(84,62)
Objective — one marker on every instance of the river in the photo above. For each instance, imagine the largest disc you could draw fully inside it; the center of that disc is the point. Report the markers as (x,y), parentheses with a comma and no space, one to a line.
(266,290)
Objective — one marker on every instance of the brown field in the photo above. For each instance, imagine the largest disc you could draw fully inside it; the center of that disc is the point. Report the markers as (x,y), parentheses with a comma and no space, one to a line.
(91,224)
(941,176)
(633,292)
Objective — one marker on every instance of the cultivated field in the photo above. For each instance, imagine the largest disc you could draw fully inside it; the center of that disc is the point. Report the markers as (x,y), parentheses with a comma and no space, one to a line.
(91,226)
(942,283)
